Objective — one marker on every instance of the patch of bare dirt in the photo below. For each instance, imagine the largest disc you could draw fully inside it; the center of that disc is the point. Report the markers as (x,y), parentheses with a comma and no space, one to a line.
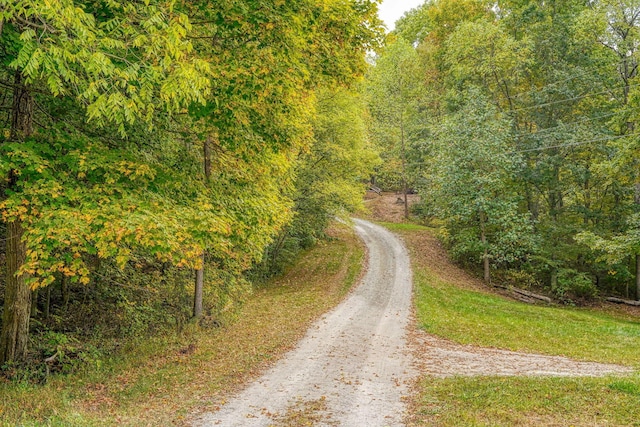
(388,207)
(441,358)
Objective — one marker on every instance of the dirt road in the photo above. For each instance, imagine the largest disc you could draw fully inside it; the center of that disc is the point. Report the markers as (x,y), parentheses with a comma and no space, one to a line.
(352,368)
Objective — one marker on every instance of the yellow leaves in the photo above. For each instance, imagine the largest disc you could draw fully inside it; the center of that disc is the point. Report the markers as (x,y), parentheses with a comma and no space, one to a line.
(67,271)
(119,233)
(140,40)
(121,260)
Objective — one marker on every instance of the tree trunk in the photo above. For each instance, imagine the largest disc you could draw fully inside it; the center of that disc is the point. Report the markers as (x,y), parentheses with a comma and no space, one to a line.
(199,282)
(638,277)
(34,303)
(47,303)
(21,111)
(17,299)
(199,287)
(406,202)
(64,290)
(485,256)
(404,168)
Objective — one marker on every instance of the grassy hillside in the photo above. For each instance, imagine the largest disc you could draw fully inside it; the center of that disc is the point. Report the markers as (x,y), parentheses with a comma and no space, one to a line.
(454,305)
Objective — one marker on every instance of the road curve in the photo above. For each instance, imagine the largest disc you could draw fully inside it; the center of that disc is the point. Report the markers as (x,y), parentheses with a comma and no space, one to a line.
(352,367)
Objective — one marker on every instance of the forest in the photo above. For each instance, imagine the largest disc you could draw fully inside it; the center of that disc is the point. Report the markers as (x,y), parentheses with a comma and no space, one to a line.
(516,122)
(162,160)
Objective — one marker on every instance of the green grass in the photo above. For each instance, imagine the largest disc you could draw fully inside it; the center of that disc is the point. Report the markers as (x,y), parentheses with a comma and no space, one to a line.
(493,401)
(165,380)
(484,319)
(488,320)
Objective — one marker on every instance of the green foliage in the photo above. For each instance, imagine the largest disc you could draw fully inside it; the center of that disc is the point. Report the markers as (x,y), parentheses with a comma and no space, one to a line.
(394,96)
(540,99)
(615,248)
(329,176)
(122,61)
(109,185)
(572,284)
(469,185)
(481,53)
(95,201)
(414,26)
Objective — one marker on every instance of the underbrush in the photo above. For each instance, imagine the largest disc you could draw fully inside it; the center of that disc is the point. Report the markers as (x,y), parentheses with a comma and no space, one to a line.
(162,370)
(76,327)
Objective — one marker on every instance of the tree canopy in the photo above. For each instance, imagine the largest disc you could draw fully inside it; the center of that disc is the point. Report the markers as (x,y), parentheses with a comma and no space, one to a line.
(151,133)
(525,140)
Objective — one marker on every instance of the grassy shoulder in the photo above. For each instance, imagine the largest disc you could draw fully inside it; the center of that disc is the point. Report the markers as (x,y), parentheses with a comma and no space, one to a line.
(451,304)
(166,380)
(523,401)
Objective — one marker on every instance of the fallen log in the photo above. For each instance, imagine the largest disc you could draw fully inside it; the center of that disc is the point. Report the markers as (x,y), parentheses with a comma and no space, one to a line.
(524,296)
(624,301)
(532,295)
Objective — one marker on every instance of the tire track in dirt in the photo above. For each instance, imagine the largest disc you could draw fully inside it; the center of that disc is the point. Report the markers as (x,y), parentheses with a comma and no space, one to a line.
(353,367)
(441,358)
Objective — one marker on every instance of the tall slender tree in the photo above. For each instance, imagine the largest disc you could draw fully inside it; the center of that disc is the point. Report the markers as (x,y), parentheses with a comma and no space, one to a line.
(394,92)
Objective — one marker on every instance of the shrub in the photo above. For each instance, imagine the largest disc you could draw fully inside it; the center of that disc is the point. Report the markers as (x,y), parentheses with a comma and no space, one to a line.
(572,284)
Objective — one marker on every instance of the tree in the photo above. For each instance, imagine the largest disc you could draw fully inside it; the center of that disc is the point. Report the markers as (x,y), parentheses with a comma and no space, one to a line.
(267,62)
(330,176)
(122,62)
(614,27)
(209,184)
(480,53)
(470,185)
(394,94)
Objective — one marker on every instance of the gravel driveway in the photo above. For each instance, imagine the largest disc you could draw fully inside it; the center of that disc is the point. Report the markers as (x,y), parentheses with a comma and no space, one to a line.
(353,366)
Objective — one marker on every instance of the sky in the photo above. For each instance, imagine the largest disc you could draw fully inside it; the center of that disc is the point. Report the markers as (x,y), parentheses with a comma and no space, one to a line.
(391,10)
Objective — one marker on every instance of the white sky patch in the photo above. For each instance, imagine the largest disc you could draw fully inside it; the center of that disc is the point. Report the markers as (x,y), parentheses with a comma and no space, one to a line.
(391,10)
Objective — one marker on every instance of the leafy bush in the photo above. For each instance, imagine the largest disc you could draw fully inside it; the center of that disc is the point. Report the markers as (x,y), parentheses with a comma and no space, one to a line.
(571,284)
(517,277)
